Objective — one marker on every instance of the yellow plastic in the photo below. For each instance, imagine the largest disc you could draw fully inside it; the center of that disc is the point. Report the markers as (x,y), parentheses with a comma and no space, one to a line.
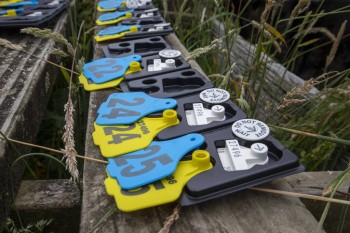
(99,9)
(115,36)
(122,139)
(10,13)
(5,3)
(161,192)
(134,67)
(109,22)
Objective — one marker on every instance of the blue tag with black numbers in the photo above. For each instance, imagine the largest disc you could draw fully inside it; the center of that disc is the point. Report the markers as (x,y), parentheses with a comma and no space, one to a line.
(155,162)
(117,30)
(107,69)
(110,4)
(127,108)
(113,15)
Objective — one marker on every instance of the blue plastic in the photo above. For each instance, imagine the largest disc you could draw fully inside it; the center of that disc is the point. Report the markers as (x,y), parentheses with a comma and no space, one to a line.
(113,15)
(155,162)
(18,11)
(127,108)
(116,30)
(107,69)
(24,3)
(110,4)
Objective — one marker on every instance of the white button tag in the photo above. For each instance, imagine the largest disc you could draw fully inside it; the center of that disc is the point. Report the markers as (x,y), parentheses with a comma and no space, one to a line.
(202,116)
(214,95)
(250,129)
(236,158)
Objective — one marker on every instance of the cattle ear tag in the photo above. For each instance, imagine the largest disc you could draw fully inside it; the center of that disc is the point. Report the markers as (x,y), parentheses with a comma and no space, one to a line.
(127,108)
(153,163)
(107,69)
(236,158)
(162,191)
(203,116)
(122,139)
(116,32)
(113,17)
(89,85)
(111,5)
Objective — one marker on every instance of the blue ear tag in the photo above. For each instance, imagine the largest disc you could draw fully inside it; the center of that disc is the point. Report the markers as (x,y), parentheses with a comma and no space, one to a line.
(23,3)
(116,30)
(113,15)
(110,4)
(129,107)
(155,162)
(107,69)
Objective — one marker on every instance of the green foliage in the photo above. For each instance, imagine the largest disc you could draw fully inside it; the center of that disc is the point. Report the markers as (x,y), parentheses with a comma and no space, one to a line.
(38,227)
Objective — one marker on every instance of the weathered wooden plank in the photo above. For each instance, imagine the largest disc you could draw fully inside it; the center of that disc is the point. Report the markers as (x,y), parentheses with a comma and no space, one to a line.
(277,79)
(246,211)
(58,200)
(312,183)
(25,87)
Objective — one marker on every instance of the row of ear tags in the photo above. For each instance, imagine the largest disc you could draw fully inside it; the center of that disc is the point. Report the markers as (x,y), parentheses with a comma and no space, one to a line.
(147,161)
(109,72)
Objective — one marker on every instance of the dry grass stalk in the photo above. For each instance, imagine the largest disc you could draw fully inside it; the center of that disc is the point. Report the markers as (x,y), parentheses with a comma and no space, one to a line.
(59,52)
(165,7)
(69,143)
(171,220)
(268,7)
(68,135)
(227,77)
(335,45)
(52,150)
(297,94)
(49,34)
(203,16)
(8,44)
(322,30)
(301,7)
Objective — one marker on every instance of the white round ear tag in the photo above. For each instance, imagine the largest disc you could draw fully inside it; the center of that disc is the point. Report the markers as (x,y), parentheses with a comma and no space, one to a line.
(250,129)
(132,4)
(170,53)
(214,95)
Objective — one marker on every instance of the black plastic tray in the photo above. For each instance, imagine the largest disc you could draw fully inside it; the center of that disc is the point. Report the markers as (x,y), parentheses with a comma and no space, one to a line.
(143,33)
(180,63)
(217,182)
(232,112)
(144,47)
(170,85)
(23,20)
(150,21)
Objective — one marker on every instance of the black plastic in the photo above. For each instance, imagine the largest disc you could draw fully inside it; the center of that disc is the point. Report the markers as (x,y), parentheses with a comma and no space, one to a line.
(145,33)
(170,85)
(180,63)
(144,47)
(150,21)
(23,20)
(232,112)
(217,182)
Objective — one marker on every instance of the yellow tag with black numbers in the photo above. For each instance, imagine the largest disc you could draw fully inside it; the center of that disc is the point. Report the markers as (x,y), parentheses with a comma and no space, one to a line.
(121,139)
(162,191)
(91,86)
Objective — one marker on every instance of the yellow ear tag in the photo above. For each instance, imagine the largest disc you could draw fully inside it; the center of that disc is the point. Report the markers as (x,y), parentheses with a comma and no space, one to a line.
(91,86)
(5,3)
(99,38)
(114,21)
(162,191)
(121,139)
